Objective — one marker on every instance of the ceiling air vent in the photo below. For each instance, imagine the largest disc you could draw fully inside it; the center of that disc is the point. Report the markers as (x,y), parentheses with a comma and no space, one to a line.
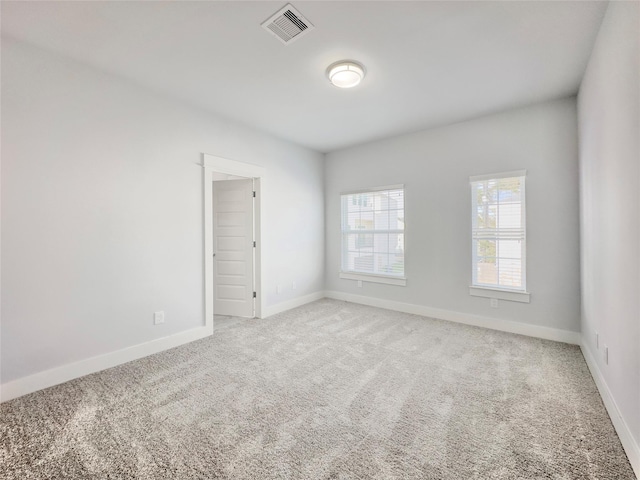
(287,25)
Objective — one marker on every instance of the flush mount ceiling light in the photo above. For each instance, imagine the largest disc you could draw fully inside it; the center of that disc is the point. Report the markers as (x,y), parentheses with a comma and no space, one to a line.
(345,73)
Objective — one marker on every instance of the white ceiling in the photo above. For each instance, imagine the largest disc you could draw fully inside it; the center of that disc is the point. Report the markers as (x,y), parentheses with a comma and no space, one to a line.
(429,63)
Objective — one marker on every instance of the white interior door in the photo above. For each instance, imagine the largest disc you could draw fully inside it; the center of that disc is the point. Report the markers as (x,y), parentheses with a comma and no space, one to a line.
(233,247)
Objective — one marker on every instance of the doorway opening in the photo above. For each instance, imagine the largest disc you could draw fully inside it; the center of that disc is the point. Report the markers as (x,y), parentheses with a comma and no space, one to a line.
(232,240)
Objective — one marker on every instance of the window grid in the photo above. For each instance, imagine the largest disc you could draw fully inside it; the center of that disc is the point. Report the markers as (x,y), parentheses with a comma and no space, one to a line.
(498,233)
(373,232)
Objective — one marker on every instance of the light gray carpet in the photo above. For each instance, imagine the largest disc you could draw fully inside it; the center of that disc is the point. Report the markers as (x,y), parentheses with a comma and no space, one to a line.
(331,390)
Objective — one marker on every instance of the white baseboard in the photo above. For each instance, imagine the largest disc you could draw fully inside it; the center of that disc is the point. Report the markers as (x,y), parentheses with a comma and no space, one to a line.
(64,373)
(289,304)
(629,444)
(510,326)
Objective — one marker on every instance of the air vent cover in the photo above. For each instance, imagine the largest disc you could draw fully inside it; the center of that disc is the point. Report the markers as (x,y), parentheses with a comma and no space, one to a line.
(287,25)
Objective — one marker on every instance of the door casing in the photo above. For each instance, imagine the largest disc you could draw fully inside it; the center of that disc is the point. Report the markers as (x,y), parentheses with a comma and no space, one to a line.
(211,164)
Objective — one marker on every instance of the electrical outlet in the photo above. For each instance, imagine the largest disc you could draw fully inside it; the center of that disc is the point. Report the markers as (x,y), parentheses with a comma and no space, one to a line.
(597,340)
(494,303)
(278,288)
(606,355)
(158,318)
(293,285)
(359,283)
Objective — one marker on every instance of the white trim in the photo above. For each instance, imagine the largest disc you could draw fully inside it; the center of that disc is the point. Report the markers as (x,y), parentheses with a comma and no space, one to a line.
(502,325)
(211,164)
(64,373)
(510,295)
(631,447)
(369,277)
(375,189)
(289,304)
(232,167)
(493,176)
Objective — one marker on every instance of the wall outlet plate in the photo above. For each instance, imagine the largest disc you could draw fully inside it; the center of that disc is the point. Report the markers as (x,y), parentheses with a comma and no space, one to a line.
(158,318)
(494,303)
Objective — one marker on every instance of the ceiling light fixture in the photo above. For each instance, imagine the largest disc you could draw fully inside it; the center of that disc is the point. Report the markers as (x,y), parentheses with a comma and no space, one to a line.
(345,73)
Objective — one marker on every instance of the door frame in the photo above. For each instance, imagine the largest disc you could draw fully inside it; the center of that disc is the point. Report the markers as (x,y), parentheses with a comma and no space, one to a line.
(211,164)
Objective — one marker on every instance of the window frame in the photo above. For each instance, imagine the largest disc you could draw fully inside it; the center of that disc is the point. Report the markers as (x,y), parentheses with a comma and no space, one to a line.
(399,280)
(493,290)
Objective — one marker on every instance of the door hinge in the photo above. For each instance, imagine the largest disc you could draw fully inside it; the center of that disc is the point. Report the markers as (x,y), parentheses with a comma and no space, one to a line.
(254,244)
(254,294)
(254,194)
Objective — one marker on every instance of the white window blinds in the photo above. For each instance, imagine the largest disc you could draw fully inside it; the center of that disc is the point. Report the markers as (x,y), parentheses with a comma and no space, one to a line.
(499,231)
(373,231)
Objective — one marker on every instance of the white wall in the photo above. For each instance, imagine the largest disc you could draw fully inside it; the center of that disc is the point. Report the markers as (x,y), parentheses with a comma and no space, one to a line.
(435,166)
(102,211)
(609,120)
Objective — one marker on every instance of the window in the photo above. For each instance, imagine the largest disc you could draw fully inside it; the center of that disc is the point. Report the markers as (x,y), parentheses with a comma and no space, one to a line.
(373,235)
(498,235)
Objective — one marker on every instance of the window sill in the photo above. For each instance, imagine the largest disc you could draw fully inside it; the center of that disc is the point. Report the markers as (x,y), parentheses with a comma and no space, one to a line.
(401,281)
(510,295)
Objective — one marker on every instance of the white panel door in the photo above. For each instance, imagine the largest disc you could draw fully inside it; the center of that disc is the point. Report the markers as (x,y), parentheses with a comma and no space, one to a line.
(233,247)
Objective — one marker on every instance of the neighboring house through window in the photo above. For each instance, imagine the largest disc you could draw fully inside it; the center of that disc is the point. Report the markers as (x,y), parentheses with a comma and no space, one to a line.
(373,235)
(499,236)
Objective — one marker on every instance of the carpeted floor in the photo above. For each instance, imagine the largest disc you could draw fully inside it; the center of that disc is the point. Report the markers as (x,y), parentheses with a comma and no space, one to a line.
(331,390)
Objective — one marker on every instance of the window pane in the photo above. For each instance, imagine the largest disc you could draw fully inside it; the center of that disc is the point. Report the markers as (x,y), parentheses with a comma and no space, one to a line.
(353,219)
(510,215)
(479,218)
(380,201)
(491,192)
(487,216)
(486,271)
(396,220)
(382,220)
(480,193)
(396,199)
(366,221)
(486,248)
(365,200)
(509,189)
(381,263)
(364,241)
(381,243)
(364,263)
(396,253)
(359,241)
(389,220)
(396,265)
(510,249)
(510,272)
